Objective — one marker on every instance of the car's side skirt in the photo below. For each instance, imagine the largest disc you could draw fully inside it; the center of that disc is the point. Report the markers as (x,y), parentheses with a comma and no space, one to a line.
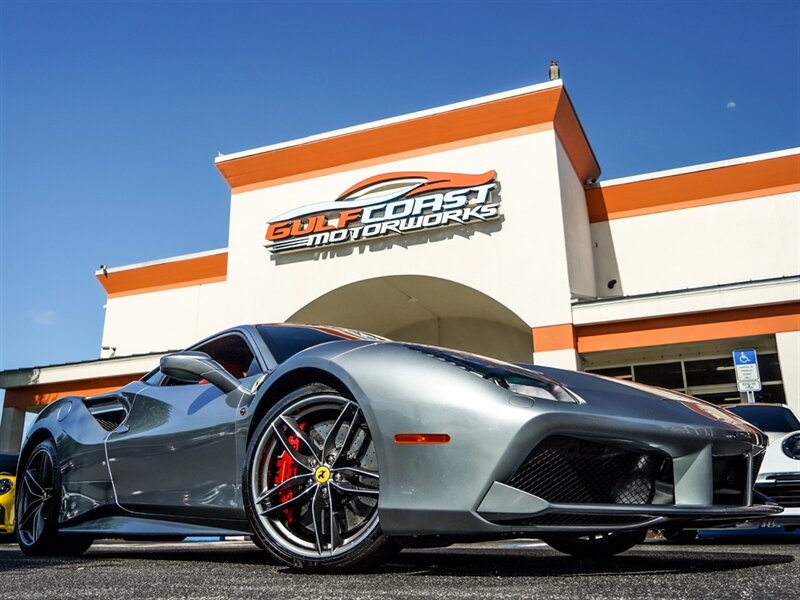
(137,527)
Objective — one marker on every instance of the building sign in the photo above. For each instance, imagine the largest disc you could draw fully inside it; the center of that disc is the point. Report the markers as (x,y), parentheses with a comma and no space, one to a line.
(389,204)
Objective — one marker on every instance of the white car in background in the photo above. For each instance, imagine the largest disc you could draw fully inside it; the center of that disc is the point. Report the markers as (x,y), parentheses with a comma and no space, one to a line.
(779,476)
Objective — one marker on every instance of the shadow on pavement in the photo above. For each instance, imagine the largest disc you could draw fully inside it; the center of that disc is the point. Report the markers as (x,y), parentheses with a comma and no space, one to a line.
(506,563)
(653,558)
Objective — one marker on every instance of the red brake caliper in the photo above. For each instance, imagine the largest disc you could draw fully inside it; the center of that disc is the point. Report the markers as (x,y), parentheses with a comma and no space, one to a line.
(287,468)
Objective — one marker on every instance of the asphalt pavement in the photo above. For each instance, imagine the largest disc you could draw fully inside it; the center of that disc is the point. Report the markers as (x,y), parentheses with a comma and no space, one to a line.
(523,569)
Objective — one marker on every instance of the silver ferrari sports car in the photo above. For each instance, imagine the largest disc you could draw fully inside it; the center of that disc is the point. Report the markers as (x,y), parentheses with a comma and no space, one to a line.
(332,448)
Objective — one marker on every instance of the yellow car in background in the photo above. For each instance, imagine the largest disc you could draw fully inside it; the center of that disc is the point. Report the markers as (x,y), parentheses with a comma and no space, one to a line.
(8,467)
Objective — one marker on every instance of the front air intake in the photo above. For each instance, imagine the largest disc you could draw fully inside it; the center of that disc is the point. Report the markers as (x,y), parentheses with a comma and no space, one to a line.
(567,470)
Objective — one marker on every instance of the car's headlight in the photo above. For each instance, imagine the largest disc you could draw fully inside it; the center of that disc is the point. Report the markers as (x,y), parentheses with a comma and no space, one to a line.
(791,446)
(506,375)
(534,388)
(6,485)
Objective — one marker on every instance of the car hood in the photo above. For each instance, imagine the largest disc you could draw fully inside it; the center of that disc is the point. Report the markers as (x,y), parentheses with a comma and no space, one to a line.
(609,397)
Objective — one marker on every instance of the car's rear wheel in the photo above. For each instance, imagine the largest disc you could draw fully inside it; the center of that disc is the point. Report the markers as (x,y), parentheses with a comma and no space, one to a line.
(311,483)
(38,504)
(594,545)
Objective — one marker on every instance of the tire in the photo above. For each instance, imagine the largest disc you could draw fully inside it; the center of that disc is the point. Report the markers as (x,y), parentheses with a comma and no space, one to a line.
(594,545)
(310,484)
(38,504)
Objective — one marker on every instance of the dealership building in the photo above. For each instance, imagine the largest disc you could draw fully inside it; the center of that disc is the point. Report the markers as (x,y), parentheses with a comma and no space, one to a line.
(480,226)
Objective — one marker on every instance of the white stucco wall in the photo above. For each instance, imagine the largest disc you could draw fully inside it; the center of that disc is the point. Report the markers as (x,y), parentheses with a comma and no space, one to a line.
(707,245)
(168,319)
(789,356)
(472,335)
(576,228)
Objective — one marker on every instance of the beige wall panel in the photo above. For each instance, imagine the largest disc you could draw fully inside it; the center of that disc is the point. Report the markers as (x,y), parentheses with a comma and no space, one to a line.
(708,245)
(471,335)
(789,357)
(576,229)
(166,320)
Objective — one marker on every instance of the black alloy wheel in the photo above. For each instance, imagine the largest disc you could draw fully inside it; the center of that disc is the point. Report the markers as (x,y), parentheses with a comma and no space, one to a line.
(38,504)
(311,483)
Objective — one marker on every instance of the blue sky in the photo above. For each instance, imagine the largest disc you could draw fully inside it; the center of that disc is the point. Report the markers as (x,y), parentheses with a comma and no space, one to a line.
(111,113)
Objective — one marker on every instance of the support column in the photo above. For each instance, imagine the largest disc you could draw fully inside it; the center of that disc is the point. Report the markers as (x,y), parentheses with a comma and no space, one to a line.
(789,358)
(12,427)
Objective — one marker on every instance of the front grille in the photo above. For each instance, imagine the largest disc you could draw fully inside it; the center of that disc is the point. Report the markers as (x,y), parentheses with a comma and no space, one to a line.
(577,520)
(785,494)
(563,469)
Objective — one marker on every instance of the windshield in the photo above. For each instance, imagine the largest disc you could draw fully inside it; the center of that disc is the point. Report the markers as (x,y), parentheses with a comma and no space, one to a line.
(778,419)
(284,341)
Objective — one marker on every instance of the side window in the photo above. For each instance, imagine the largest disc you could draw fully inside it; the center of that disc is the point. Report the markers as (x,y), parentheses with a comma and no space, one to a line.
(233,353)
(230,351)
(154,377)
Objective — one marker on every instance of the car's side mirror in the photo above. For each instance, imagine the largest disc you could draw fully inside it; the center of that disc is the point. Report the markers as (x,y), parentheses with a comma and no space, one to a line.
(193,367)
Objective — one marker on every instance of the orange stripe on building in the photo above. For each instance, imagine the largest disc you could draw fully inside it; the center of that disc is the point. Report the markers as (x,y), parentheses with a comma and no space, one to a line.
(39,395)
(462,125)
(554,337)
(168,275)
(700,188)
(695,327)
(493,137)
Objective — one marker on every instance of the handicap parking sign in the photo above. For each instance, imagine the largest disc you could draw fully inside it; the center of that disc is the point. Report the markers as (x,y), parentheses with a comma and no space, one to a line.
(744,357)
(748,378)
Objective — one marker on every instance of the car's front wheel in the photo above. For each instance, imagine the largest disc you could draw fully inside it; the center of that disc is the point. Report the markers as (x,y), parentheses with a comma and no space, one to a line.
(38,503)
(594,545)
(311,483)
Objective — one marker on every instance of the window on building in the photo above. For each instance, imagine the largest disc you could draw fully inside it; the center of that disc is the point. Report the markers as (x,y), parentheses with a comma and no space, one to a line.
(709,378)
(712,371)
(667,375)
(616,372)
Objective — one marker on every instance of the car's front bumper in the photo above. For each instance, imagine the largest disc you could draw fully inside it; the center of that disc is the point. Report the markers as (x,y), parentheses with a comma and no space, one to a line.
(7,520)
(512,508)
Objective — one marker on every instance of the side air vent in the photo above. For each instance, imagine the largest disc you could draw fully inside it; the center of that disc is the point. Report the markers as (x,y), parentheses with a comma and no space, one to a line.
(109,412)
